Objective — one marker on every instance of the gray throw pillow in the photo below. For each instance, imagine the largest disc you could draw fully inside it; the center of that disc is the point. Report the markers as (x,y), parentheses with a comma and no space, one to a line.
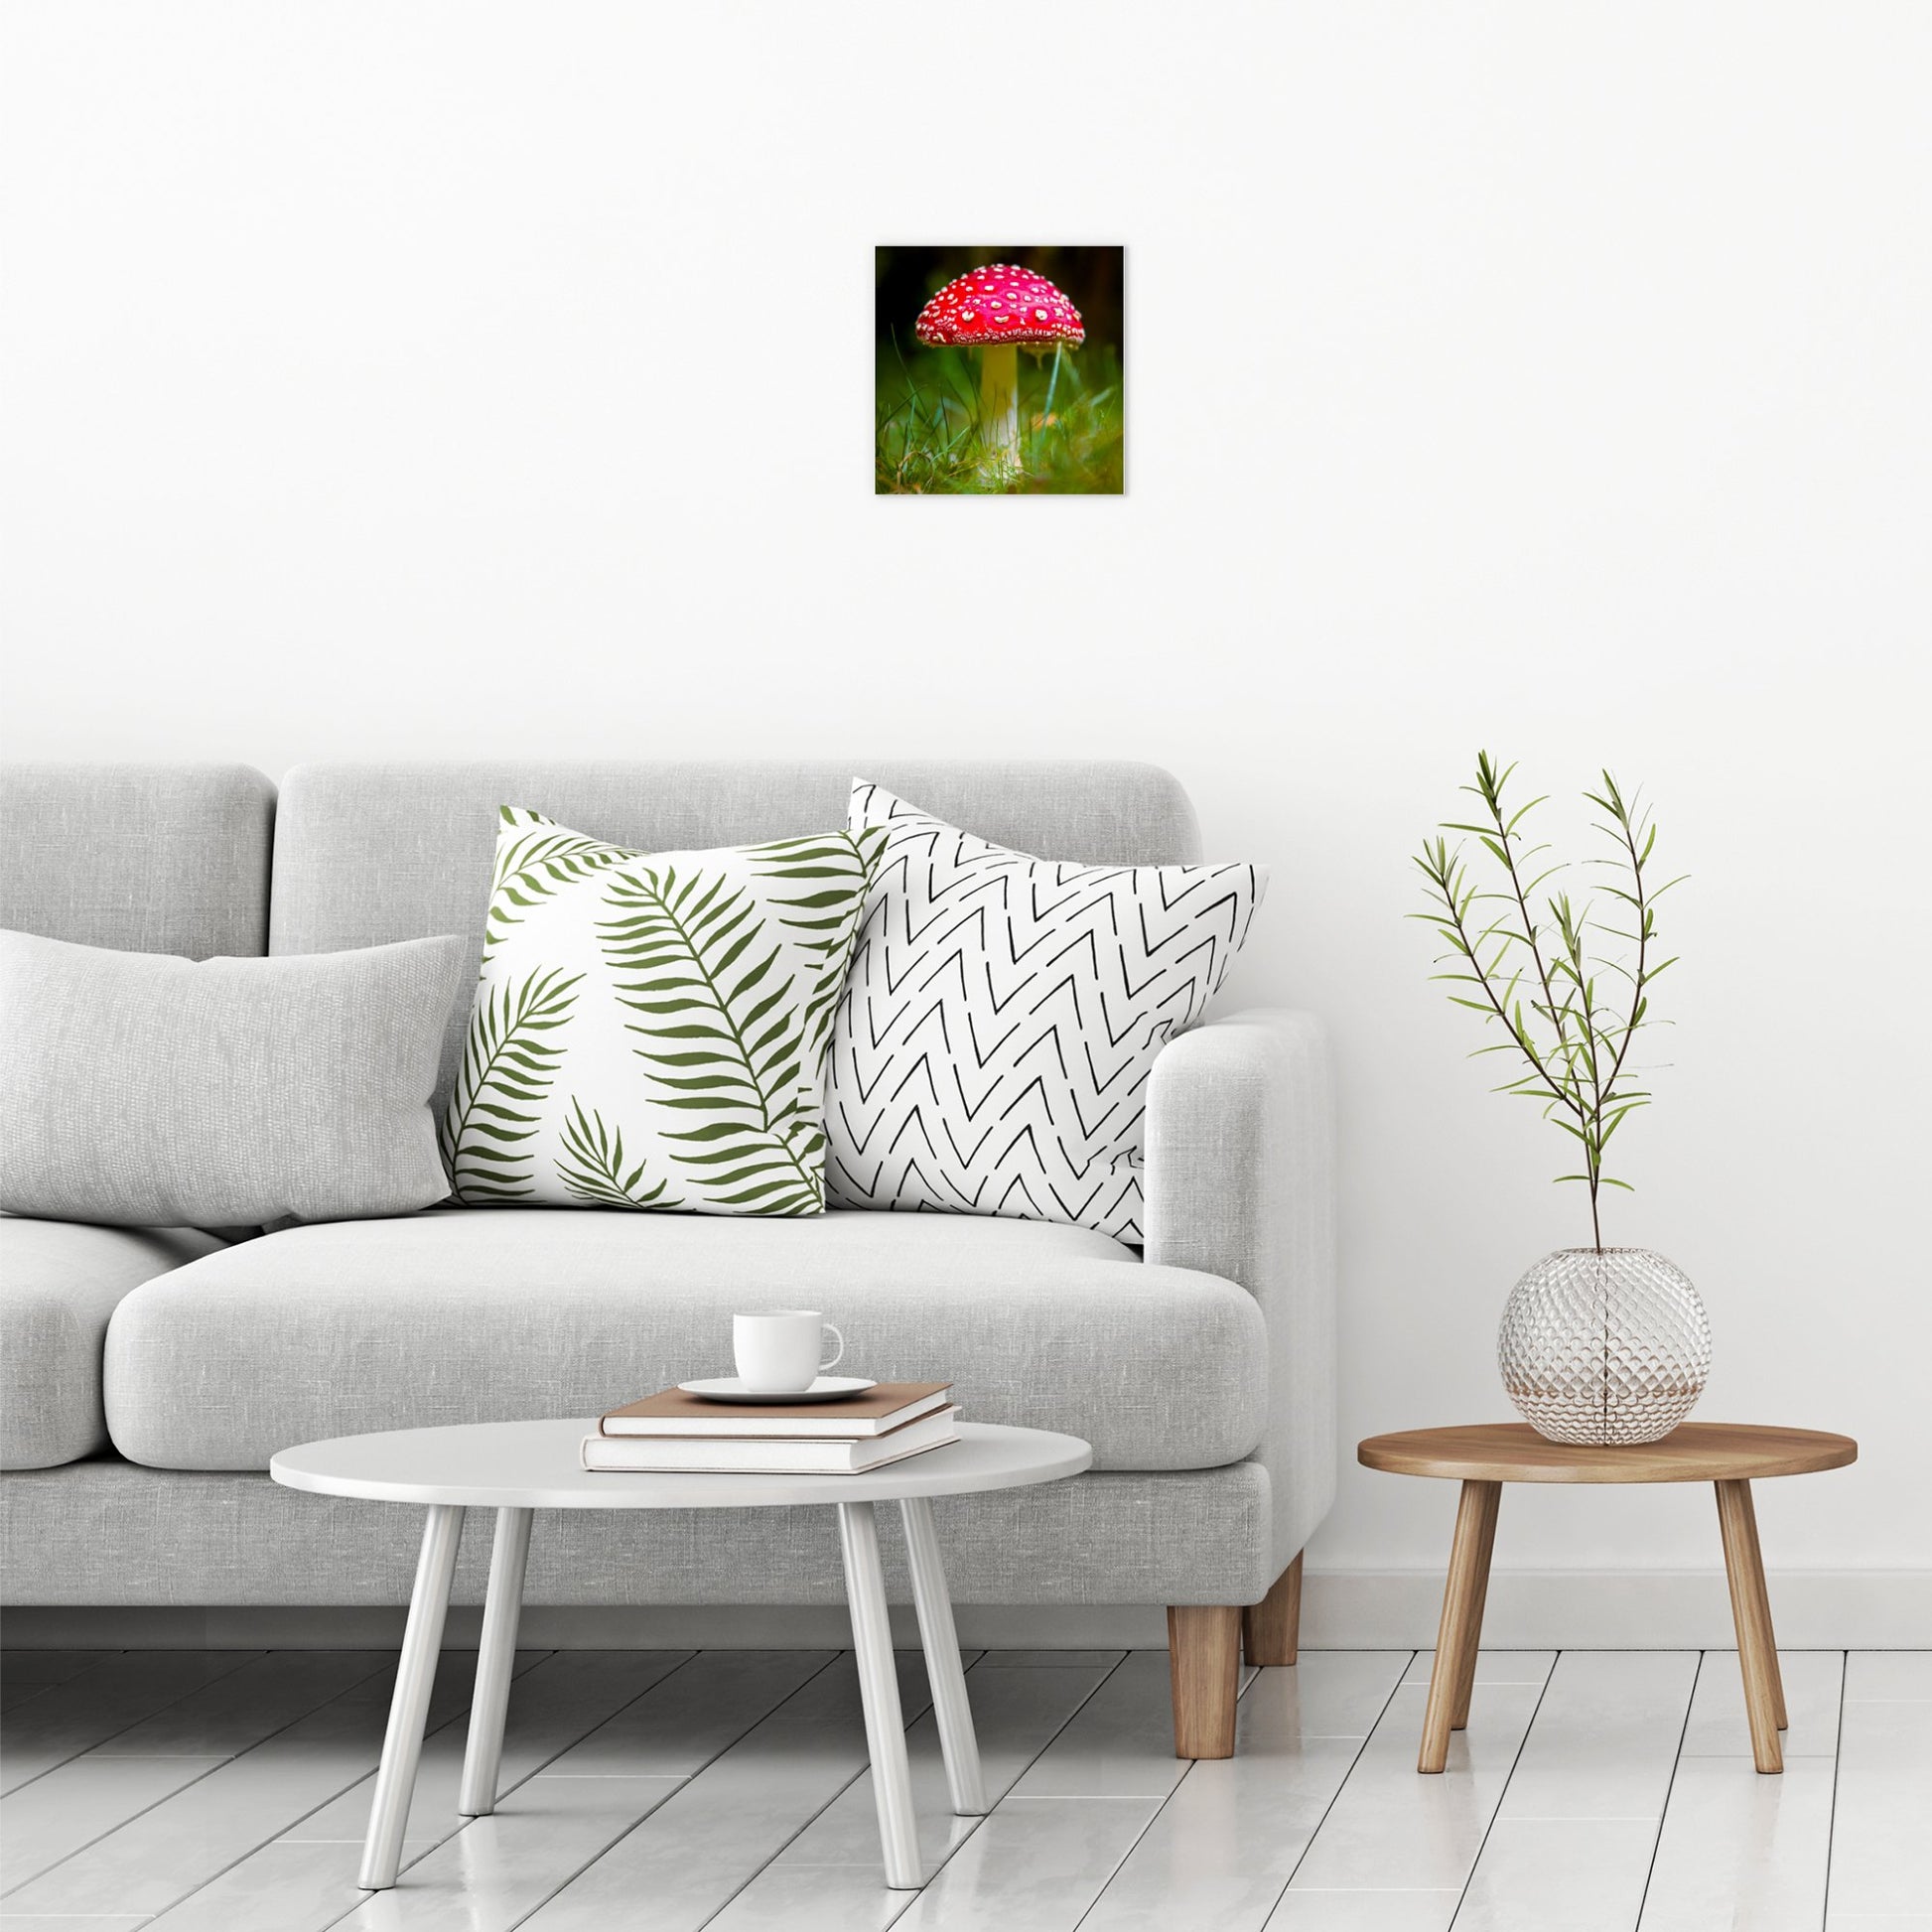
(150,1091)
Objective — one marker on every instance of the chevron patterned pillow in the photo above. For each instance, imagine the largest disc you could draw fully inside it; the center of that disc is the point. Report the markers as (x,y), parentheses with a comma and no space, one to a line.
(651,1029)
(1001,1016)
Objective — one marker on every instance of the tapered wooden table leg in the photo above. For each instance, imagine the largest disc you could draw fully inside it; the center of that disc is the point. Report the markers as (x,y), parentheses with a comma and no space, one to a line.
(1465,1675)
(1462,1601)
(1765,1606)
(1758,1656)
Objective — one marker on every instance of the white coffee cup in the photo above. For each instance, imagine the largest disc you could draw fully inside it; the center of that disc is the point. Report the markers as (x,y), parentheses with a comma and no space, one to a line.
(783,1350)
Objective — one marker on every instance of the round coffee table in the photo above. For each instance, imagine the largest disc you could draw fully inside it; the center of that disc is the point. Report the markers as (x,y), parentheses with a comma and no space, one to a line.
(1488,1455)
(515,1468)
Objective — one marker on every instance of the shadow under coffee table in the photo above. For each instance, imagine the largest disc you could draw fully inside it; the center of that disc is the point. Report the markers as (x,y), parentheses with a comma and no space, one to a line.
(1484,1456)
(515,1468)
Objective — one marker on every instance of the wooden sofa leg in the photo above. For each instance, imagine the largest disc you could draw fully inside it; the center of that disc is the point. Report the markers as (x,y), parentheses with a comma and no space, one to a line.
(1271,1630)
(1204,1660)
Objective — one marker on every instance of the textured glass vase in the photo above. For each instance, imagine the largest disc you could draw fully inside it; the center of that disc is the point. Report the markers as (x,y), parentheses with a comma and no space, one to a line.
(1604,1345)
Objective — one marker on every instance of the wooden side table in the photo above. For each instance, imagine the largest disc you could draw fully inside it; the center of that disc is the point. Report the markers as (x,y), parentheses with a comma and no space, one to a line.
(1485,1457)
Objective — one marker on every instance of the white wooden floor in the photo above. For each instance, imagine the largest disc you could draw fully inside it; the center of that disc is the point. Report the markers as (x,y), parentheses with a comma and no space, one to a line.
(191,1791)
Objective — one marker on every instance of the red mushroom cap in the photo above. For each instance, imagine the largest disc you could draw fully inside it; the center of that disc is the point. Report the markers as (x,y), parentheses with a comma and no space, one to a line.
(999,304)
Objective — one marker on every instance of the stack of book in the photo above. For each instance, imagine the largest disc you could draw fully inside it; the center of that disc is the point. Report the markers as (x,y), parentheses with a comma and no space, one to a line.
(675,1431)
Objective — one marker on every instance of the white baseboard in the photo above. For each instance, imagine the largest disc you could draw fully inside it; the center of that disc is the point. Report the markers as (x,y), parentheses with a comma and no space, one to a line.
(1594,1609)
(1871,1609)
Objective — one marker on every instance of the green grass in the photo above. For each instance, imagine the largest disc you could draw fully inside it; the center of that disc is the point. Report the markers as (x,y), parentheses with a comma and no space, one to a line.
(928,425)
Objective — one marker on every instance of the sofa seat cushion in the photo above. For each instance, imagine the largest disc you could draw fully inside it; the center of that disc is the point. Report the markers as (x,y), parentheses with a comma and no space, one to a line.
(487,1315)
(60,1281)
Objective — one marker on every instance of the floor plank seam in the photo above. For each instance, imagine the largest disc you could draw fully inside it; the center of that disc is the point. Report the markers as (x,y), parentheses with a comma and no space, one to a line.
(829,1664)
(169,1757)
(684,1778)
(462,1823)
(214,1765)
(683,1664)
(1086,1797)
(245,1659)
(460,1715)
(1119,1663)
(1341,1783)
(908,1899)
(118,1825)
(434,1844)
(596,1857)
(1837,1760)
(1502,1793)
(281,1836)
(1120,1862)
(725,1904)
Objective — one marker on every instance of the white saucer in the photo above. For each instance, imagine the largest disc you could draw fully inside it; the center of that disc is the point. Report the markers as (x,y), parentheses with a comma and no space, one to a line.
(733,1388)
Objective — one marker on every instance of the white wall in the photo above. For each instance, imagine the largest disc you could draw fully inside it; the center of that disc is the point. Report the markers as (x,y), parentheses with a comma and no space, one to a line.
(452,380)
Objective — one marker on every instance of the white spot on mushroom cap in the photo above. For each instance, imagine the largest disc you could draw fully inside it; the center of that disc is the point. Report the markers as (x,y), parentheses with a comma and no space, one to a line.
(1014,305)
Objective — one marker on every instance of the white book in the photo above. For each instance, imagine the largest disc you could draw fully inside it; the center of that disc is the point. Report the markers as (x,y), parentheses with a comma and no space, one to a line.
(663,1456)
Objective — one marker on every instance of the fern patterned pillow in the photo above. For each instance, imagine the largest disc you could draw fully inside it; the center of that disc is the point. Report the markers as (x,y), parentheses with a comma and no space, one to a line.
(1002,1017)
(651,1029)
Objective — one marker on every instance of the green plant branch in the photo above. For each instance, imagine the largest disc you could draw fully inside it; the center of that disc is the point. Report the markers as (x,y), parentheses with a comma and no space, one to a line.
(1639,975)
(1454,926)
(1578,1072)
(1489,787)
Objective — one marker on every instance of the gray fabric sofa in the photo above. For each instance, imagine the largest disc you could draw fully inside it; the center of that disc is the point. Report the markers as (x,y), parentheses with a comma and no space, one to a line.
(149,1376)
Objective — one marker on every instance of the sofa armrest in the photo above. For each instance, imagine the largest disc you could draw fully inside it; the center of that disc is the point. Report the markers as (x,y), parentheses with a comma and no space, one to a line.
(1240,1182)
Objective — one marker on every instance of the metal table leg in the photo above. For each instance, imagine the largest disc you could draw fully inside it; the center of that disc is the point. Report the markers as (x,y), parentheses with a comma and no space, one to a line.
(402,1744)
(872,1639)
(942,1668)
(495,1664)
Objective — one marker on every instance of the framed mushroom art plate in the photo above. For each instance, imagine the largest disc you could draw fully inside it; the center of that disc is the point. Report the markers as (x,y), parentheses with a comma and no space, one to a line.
(1001,371)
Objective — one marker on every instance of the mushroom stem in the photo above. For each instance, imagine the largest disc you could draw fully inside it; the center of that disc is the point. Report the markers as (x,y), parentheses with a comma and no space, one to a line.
(999,407)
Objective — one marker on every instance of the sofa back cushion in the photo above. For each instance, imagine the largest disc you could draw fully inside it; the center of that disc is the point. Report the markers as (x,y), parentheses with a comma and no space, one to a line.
(369,854)
(139,858)
(148,1090)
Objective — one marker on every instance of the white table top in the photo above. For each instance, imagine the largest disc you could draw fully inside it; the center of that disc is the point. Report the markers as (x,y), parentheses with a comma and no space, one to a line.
(536,1466)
